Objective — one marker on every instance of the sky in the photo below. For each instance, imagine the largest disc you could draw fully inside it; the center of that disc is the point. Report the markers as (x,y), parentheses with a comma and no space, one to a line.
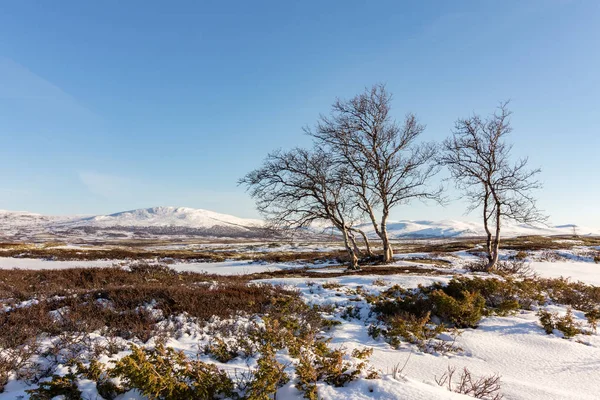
(108,106)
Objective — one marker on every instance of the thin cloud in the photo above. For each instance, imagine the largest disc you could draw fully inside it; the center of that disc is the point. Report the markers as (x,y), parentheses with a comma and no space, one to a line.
(20,83)
(105,185)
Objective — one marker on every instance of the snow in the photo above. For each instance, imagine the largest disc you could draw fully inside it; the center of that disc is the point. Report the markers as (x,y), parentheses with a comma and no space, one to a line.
(36,263)
(230,267)
(532,364)
(219,268)
(167,216)
(453,228)
(588,272)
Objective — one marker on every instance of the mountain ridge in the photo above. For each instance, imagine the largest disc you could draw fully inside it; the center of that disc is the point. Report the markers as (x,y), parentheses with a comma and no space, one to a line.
(186,221)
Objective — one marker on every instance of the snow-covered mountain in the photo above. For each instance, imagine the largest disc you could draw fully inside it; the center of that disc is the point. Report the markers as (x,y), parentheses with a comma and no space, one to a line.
(167,217)
(155,221)
(183,221)
(453,228)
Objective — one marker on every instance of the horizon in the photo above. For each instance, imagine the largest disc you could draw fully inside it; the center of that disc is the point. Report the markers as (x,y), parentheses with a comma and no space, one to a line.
(108,107)
(566,224)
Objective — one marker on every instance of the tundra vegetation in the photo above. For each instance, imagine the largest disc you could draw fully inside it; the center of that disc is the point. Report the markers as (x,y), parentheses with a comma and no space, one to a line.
(112,326)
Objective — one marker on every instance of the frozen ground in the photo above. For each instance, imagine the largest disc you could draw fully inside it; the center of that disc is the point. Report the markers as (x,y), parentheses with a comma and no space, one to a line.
(532,364)
(588,272)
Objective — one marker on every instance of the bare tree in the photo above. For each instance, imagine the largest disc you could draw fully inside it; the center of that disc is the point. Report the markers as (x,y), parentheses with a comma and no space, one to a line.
(296,188)
(479,161)
(386,167)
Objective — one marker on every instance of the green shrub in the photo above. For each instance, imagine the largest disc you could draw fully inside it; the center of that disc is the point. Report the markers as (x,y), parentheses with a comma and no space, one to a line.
(575,294)
(220,351)
(412,329)
(547,321)
(501,295)
(565,324)
(65,386)
(268,377)
(307,376)
(319,363)
(331,367)
(593,317)
(96,372)
(164,373)
(463,311)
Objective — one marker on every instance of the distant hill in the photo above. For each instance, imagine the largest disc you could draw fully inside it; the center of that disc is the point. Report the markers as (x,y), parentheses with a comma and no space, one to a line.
(452,228)
(155,221)
(191,222)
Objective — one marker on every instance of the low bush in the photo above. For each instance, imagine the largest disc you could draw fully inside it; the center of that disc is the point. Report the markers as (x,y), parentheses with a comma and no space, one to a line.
(221,350)
(163,373)
(319,363)
(408,327)
(578,295)
(463,311)
(593,316)
(521,255)
(565,324)
(133,312)
(268,376)
(63,386)
(486,387)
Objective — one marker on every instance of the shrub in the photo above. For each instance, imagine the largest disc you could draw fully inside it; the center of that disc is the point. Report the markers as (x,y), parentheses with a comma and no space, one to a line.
(150,270)
(331,367)
(575,294)
(307,376)
(363,354)
(565,324)
(547,321)
(463,311)
(64,386)
(5,369)
(521,255)
(331,285)
(516,267)
(219,350)
(96,372)
(268,377)
(486,387)
(319,363)
(163,373)
(501,296)
(593,317)
(412,329)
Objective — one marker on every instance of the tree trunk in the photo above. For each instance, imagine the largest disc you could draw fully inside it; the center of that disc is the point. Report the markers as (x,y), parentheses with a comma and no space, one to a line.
(495,246)
(493,258)
(354,244)
(486,225)
(352,255)
(367,244)
(388,252)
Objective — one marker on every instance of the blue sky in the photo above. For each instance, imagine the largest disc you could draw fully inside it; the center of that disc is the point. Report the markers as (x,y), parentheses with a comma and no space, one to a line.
(107,106)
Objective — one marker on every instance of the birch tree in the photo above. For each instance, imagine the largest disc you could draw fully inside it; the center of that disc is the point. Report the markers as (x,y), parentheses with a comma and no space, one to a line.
(296,188)
(386,165)
(480,162)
